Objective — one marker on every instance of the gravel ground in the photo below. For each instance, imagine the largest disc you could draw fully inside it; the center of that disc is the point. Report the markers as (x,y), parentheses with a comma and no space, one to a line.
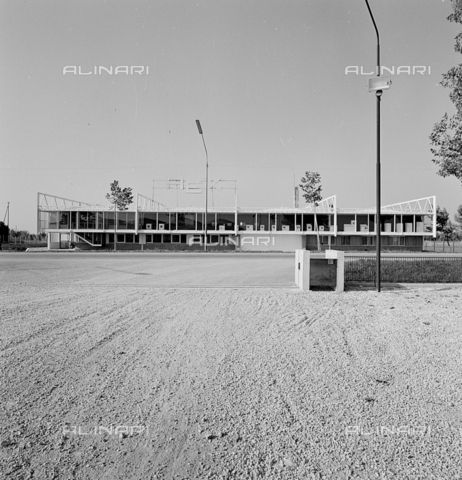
(142,382)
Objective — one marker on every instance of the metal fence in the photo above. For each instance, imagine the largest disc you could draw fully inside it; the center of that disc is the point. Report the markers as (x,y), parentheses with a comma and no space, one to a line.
(404,269)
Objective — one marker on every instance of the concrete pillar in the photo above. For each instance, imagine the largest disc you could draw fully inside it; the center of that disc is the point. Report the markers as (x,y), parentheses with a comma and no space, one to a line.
(302,269)
(340,257)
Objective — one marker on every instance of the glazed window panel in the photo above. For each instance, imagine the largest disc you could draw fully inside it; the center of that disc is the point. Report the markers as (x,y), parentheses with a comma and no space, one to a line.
(211,221)
(164,219)
(109,220)
(131,220)
(91,220)
(53,220)
(64,220)
(299,221)
(226,220)
(148,220)
(121,220)
(83,221)
(273,220)
(200,221)
(263,221)
(286,220)
(99,220)
(186,221)
(246,220)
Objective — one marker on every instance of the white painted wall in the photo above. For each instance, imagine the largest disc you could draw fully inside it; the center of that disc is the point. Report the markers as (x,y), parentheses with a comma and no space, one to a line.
(250,242)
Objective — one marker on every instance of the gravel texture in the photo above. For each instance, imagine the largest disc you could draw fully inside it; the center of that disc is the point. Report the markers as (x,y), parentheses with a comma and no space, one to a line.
(139,382)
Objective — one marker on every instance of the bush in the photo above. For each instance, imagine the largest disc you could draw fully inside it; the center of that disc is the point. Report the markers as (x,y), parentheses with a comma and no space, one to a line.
(405,270)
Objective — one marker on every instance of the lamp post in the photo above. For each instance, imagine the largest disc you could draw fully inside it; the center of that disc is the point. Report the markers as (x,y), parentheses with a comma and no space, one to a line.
(378,94)
(199,128)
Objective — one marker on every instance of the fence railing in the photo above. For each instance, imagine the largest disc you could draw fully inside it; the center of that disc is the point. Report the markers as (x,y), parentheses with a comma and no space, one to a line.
(404,269)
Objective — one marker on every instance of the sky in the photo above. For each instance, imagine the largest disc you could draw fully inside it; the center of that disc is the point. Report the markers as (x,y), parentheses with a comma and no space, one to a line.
(267,80)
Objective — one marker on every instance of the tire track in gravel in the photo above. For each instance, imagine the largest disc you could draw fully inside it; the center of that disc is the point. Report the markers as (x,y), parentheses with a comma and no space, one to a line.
(232,383)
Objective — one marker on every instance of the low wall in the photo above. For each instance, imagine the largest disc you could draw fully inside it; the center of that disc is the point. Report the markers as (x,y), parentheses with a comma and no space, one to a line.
(367,248)
(171,247)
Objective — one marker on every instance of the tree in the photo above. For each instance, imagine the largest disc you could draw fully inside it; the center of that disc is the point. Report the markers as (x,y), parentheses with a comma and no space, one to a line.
(311,188)
(442,218)
(4,232)
(444,227)
(120,199)
(446,137)
(458,215)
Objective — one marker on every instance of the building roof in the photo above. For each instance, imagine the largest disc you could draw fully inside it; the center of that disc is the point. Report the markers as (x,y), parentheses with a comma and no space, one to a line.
(424,206)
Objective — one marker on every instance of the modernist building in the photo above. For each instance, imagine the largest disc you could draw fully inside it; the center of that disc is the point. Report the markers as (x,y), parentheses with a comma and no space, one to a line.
(150,225)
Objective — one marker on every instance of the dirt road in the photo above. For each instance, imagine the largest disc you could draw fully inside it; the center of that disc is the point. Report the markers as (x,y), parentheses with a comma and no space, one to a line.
(139,382)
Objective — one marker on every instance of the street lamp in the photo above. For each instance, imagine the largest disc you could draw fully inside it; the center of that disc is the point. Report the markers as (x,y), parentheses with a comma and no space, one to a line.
(199,128)
(378,84)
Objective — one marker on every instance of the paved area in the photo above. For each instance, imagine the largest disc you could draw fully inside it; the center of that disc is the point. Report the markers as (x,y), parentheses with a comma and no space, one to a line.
(153,269)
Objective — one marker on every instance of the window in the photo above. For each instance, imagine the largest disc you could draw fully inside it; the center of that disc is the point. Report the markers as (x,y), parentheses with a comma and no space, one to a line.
(53,220)
(83,221)
(64,220)
(273,220)
(148,238)
(148,221)
(225,221)
(178,238)
(131,220)
(121,238)
(164,219)
(74,220)
(157,238)
(109,220)
(186,221)
(121,220)
(99,220)
(211,221)
(129,237)
(91,220)
(345,240)
(246,221)
(286,221)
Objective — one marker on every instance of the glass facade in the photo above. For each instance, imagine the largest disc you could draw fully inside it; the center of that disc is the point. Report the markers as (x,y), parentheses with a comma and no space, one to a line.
(88,225)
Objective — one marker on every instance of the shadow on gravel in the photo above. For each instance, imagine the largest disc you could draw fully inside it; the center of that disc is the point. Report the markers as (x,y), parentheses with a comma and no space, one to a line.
(364,287)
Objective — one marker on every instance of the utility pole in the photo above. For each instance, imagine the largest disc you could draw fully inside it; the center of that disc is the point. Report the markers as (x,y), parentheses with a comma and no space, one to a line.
(199,128)
(378,85)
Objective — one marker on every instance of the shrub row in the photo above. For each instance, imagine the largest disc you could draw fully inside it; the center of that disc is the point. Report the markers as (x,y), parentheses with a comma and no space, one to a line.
(405,270)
